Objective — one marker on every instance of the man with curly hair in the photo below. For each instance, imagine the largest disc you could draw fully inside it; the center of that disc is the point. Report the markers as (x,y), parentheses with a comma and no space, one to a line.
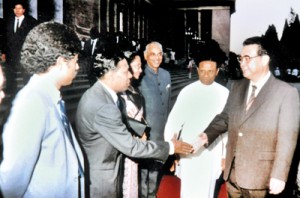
(41,156)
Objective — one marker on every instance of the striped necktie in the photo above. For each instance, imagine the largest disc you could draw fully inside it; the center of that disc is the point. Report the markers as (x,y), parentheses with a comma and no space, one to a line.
(252,97)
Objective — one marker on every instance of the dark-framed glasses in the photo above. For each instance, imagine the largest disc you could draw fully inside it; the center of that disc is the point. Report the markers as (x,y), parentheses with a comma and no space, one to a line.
(246,58)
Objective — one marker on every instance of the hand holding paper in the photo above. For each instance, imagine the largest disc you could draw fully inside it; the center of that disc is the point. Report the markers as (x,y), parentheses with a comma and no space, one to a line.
(199,142)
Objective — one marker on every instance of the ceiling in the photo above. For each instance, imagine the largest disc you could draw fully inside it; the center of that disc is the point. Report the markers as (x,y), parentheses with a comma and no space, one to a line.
(192,4)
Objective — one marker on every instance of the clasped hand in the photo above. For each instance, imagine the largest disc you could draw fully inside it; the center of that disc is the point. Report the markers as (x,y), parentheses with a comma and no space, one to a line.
(181,147)
(185,148)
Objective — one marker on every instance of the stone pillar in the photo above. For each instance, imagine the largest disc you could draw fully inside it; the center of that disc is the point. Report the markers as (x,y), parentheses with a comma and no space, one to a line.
(221,27)
(33,8)
(115,17)
(85,15)
(58,17)
(126,18)
(199,24)
(133,18)
(107,18)
(138,20)
(142,25)
(1,8)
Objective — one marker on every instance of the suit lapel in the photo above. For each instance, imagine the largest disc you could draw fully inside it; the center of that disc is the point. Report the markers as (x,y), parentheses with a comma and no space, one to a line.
(241,92)
(260,99)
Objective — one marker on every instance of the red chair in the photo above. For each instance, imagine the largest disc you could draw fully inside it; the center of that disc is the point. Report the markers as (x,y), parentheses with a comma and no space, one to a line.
(169,187)
(223,192)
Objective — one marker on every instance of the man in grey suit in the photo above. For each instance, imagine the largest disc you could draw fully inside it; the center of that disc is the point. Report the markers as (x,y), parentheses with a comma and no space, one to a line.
(41,157)
(102,133)
(262,127)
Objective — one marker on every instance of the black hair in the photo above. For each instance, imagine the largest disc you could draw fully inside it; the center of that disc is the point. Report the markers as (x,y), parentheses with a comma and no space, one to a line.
(45,43)
(210,51)
(104,62)
(260,41)
(94,32)
(131,58)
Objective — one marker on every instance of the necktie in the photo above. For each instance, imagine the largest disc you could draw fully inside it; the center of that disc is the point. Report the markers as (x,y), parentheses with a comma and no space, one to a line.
(252,97)
(17,25)
(67,126)
(93,46)
(119,103)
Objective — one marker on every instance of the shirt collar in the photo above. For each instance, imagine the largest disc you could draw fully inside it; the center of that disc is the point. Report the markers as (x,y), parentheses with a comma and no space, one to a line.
(92,40)
(49,87)
(261,82)
(112,92)
(20,18)
(151,70)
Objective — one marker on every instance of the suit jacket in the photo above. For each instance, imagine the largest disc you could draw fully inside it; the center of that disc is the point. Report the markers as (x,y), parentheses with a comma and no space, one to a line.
(39,160)
(104,138)
(88,57)
(261,142)
(87,49)
(15,40)
(156,89)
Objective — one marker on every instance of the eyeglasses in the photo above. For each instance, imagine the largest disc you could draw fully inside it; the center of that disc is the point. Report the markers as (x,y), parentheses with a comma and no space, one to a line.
(246,58)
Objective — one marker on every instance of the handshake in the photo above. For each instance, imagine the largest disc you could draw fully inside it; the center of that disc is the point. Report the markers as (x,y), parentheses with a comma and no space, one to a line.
(186,148)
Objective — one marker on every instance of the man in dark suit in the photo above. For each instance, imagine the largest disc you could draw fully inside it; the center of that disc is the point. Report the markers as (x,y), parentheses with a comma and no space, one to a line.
(17,27)
(262,127)
(103,135)
(95,44)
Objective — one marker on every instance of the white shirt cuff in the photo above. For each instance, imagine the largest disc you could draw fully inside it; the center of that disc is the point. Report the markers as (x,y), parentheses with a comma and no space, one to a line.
(172,149)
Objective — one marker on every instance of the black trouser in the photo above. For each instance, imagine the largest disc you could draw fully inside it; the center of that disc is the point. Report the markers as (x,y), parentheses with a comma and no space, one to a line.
(218,185)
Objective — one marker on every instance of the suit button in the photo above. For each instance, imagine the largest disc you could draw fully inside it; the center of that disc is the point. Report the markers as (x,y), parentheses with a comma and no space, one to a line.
(241,134)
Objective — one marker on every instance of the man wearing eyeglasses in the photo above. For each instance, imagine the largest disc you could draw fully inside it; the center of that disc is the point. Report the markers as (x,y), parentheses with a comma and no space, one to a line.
(262,119)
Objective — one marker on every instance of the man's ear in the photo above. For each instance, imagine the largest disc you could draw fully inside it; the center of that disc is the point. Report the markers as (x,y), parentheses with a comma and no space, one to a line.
(265,59)
(60,62)
(218,69)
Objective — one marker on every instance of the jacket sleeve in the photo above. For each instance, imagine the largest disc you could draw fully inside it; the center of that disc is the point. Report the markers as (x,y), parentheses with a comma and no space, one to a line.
(287,135)
(108,123)
(22,138)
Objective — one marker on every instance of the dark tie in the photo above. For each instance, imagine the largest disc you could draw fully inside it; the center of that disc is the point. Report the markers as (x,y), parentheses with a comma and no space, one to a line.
(119,103)
(67,126)
(252,97)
